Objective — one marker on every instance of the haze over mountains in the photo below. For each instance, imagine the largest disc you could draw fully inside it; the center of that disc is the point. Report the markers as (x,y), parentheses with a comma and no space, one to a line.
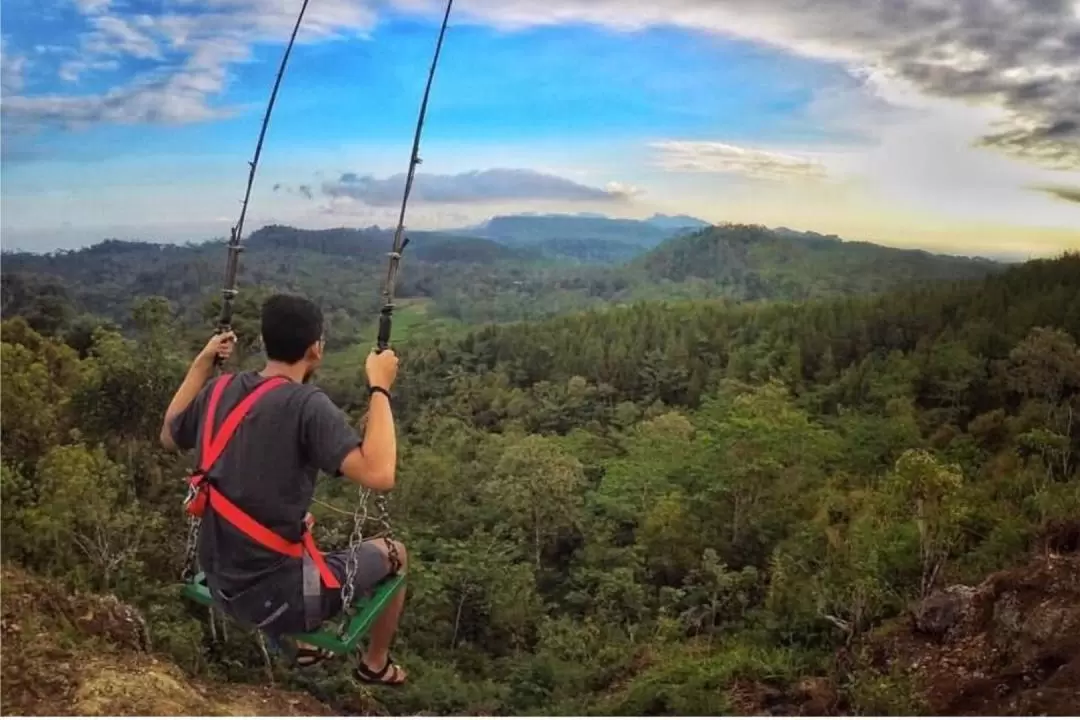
(586,237)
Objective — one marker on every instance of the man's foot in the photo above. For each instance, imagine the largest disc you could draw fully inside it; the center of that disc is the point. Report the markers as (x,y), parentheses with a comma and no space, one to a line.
(389,674)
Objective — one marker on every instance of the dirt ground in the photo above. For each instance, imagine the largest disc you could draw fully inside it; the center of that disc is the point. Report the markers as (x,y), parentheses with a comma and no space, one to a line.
(1010,646)
(86,655)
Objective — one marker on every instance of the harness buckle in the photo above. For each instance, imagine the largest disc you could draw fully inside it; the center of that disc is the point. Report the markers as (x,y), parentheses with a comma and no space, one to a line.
(196,500)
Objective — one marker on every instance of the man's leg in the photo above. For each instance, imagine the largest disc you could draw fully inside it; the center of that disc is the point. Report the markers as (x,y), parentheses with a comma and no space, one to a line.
(384,628)
(373,566)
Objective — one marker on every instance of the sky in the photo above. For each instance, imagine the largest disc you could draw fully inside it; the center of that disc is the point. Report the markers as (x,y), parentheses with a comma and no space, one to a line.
(950,125)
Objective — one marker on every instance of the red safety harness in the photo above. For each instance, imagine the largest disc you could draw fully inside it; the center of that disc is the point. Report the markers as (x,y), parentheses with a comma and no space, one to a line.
(201,492)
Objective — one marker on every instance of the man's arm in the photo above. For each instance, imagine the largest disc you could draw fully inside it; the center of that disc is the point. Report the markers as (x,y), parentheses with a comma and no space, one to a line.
(374,463)
(197,375)
(334,444)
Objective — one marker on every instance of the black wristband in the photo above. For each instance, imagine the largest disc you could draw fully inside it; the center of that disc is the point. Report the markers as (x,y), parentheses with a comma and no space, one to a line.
(372,389)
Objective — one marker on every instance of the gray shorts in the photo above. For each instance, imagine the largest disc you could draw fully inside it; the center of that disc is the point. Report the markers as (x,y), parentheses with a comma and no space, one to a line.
(300,602)
(371,568)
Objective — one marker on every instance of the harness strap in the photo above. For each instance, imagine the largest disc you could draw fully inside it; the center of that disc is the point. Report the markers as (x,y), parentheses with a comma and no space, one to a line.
(213,446)
(329,579)
(266,537)
(248,525)
(211,416)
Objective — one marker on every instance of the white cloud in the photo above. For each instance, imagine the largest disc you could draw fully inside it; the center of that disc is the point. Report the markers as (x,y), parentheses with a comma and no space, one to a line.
(72,70)
(924,166)
(117,36)
(477,186)
(12,68)
(717,157)
(92,7)
(1021,57)
(622,190)
(194,44)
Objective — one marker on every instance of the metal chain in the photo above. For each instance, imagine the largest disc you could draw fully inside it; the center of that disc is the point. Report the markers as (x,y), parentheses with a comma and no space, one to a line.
(194,524)
(356,539)
(267,663)
(352,560)
(213,627)
(387,532)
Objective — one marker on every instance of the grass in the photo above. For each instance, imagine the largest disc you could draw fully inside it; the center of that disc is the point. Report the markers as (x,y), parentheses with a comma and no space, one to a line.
(412,318)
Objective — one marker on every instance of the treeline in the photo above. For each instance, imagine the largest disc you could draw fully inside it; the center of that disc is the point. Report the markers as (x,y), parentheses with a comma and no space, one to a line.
(467,279)
(622,511)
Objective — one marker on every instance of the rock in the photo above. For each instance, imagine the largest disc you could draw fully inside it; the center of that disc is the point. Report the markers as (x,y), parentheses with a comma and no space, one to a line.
(937,614)
(112,619)
(1011,646)
(817,696)
(1044,623)
(1006,619)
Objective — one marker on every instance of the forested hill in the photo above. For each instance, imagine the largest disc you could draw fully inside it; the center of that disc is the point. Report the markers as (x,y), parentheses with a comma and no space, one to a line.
(462,278)
(755,263)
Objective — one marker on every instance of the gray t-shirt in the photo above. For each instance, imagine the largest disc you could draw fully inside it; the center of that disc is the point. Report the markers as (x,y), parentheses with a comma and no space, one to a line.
(268,469)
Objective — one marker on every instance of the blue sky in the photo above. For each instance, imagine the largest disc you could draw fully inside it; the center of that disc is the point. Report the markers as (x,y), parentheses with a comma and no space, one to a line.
(135,118)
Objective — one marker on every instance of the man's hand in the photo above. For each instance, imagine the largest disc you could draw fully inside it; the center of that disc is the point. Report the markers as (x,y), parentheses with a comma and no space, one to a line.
(382,368)
(220,346)
(374,463)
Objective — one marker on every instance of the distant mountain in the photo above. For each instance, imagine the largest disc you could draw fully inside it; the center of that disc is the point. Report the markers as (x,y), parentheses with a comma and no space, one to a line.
(473,279)
(677,222)
(751,262)
(374,242)
(585,237)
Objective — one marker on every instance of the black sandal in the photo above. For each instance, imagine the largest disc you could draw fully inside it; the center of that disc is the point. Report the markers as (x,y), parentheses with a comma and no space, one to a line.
(309,657)
(366,675)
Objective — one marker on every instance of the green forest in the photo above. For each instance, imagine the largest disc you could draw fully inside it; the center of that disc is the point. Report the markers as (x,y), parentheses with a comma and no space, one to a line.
(629,485)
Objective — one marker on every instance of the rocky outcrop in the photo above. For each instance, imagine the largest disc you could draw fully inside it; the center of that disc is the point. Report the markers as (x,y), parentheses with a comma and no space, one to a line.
(84,654)
(1010,646)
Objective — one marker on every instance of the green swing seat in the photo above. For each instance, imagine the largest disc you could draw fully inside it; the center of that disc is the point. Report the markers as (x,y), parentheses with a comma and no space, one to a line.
(366,610)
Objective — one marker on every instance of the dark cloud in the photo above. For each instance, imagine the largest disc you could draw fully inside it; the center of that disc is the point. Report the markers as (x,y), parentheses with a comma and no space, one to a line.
(1023,55)
(1068,194)
(469,187)
(304,190)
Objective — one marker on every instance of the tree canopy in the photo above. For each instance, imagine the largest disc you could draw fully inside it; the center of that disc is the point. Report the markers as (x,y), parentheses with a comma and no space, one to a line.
(621,510)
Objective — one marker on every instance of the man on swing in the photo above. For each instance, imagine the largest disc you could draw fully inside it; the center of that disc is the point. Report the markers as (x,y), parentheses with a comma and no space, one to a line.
(262,483)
